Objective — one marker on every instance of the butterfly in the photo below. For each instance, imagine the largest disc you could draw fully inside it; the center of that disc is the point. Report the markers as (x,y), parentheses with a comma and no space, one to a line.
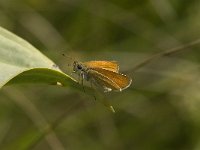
(103,74)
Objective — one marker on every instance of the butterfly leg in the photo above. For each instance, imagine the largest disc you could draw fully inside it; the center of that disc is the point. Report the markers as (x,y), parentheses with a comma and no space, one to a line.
(82,78)
(91,84)
(79,77)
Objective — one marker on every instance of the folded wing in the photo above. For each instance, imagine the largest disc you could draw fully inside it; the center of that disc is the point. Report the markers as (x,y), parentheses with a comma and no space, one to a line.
(107,65)
(109,80)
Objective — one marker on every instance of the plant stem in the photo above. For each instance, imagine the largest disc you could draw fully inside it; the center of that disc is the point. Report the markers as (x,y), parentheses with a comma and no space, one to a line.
(165,53)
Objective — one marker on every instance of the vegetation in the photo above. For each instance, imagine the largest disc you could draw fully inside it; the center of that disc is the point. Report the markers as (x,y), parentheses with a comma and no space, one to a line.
(155,42)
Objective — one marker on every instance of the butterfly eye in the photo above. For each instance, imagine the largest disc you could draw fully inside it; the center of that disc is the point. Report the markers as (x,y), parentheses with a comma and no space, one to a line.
(79,67)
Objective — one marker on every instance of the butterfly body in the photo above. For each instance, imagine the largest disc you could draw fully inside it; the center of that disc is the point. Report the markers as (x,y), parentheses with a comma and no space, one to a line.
(103,74)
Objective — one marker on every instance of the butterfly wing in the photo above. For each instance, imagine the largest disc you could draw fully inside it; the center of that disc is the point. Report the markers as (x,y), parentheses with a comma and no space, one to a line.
(107,65)
(109,80)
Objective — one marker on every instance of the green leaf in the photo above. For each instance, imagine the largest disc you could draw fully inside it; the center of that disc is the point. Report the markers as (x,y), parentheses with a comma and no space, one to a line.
(20,62)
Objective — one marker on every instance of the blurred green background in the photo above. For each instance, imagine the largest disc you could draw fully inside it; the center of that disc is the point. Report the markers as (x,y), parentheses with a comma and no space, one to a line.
(161,109)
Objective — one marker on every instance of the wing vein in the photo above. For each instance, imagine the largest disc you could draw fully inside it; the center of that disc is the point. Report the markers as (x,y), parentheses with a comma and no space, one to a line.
(107,79)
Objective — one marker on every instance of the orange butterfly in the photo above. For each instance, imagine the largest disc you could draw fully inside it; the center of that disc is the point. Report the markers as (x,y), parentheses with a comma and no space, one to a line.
(102,73)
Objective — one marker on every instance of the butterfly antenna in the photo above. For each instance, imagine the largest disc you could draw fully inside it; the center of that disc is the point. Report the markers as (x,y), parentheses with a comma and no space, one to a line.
(68,58)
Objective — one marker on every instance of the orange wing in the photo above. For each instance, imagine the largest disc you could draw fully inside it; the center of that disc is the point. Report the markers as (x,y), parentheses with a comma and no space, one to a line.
(107,65)
(109,80)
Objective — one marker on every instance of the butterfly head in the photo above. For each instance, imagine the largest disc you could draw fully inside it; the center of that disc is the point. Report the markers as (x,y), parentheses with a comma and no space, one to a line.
(77,67)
